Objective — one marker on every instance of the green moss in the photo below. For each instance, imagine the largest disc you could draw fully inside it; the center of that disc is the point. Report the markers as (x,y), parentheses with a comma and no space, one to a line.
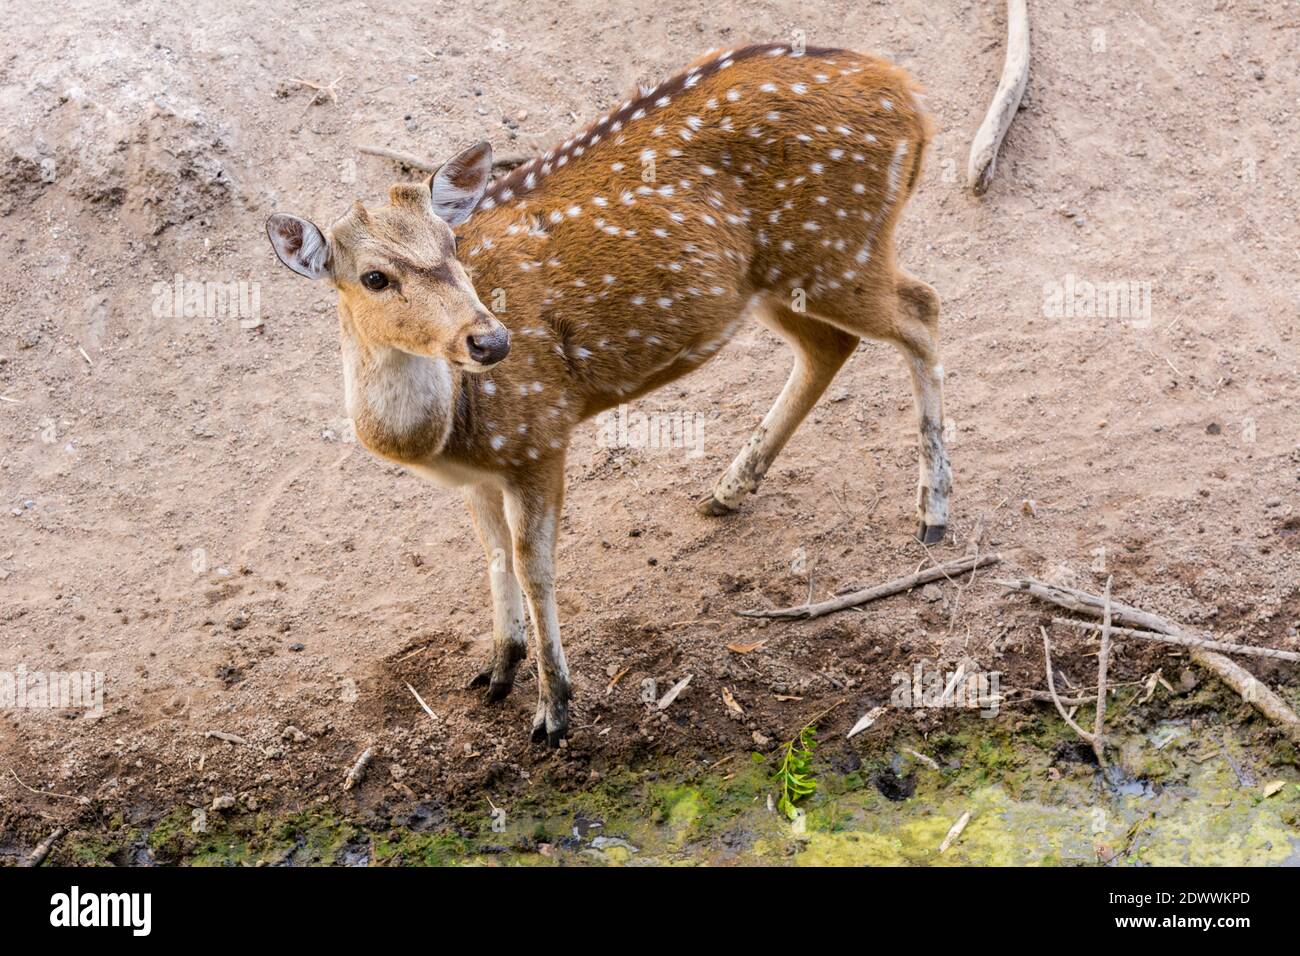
(311,838)
(1032,801)
(403,848)
(171,838)
(89,850)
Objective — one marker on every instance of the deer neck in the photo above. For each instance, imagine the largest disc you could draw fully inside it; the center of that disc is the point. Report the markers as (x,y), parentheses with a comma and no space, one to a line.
(402,405)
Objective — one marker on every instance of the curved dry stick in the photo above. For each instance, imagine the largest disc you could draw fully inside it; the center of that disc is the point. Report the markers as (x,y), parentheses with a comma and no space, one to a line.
(1015,75)
(1051,687)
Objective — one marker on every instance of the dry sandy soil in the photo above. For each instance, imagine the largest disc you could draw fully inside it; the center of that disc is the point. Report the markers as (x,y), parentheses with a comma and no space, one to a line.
(183,510)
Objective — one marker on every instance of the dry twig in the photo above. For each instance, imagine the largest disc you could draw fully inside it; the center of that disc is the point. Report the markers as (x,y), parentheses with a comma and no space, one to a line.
(1051,687)
(38,855)
(80,798)
(1103,663)
(320,91)
(856,598)
(359,768)
(420,700)
(1185,640)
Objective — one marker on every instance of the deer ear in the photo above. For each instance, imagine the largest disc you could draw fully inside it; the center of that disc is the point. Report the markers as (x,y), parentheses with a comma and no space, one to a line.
(299,244)
(458,185)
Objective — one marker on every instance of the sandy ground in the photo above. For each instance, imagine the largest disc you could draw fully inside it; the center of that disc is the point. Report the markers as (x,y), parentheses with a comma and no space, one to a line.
(184,512)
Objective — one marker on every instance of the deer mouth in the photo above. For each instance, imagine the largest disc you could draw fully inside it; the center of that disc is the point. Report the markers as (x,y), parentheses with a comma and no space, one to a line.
(476,368)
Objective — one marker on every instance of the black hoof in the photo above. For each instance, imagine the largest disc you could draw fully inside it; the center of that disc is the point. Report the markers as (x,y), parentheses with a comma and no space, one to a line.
(553,728)
(931,533)
(497,688)
(711,506)
(552,738)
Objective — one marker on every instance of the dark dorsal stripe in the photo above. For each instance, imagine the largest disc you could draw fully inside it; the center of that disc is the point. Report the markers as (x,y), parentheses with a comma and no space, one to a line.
(517,182)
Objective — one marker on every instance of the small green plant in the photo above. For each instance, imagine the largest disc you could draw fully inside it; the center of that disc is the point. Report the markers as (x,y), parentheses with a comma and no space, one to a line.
(794,775)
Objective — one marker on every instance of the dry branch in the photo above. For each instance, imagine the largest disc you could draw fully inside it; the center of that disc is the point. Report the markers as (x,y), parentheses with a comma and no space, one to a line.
(359,768)
(1047,698)
(856,598)
(1011,87)
(1251,689)
(1185,640)
(1103,662)
(38,855)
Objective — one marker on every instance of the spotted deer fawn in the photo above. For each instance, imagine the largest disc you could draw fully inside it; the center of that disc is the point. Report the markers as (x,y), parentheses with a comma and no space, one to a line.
(764,181)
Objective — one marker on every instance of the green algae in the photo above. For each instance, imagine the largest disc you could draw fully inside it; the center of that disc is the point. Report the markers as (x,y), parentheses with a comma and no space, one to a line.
(403,848)
(1180,792)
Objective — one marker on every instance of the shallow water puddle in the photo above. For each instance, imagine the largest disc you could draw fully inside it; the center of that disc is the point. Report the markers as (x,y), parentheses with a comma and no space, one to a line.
(1178,793)
(1176,798)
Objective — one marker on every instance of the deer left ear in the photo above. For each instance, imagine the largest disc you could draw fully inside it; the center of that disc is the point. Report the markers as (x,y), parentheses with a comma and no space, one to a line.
(458,185)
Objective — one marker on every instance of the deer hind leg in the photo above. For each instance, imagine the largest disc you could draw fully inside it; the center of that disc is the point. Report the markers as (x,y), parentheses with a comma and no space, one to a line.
(820,350)
(908,317)
(509,629)
(918,339)
(533,512)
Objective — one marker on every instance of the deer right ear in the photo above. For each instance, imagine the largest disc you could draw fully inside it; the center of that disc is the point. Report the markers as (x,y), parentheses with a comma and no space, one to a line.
(299,244)
(458,185)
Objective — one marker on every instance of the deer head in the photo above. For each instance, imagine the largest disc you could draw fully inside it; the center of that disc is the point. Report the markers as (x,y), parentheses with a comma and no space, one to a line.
(399,282)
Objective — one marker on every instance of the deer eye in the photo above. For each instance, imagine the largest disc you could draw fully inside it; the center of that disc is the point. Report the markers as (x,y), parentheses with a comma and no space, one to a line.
(374,280)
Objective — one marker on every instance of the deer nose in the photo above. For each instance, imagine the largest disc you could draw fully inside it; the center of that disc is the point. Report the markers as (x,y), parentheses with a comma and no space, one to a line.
(488,348)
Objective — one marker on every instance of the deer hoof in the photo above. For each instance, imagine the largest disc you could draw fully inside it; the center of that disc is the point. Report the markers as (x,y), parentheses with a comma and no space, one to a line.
(931,533)
(711,506)
(551,725)
(498,685)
